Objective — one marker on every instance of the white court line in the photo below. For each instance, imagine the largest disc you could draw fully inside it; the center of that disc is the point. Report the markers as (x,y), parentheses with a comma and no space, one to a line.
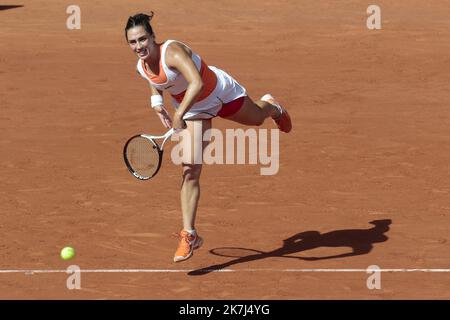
(31,271)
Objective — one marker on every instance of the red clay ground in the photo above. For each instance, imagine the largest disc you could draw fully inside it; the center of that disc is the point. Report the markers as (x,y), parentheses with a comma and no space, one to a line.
(370,142)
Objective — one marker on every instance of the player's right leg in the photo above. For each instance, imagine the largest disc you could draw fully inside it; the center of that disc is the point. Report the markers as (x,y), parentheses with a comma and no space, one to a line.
(190,189)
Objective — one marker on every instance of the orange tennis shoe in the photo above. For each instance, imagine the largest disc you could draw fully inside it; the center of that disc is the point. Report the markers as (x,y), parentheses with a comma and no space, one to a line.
(284,120)
(188,243)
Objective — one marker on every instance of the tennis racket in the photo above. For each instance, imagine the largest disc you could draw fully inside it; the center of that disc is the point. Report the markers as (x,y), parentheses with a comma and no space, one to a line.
(143,155)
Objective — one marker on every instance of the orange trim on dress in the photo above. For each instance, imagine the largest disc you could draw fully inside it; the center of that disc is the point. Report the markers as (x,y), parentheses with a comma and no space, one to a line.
(161,78)
(209,79)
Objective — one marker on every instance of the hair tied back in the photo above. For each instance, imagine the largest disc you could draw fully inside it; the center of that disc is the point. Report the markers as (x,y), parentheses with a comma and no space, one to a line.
(150,16)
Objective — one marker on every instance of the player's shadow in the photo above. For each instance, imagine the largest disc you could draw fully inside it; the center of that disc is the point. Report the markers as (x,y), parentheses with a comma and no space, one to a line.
(7,7)
(359,240)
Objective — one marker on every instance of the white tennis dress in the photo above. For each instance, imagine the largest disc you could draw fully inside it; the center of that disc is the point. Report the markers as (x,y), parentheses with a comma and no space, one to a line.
(219,87)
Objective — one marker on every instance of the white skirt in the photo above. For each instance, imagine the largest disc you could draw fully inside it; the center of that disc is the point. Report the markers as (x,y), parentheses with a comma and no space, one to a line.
(227,90)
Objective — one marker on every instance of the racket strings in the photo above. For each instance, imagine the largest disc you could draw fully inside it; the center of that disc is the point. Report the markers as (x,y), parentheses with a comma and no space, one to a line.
(143,157)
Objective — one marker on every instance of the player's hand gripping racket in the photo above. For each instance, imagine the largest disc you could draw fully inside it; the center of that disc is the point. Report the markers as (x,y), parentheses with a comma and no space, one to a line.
(143,155)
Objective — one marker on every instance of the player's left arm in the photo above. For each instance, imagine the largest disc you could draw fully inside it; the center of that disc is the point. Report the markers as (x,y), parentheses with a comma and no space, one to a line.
(179,57)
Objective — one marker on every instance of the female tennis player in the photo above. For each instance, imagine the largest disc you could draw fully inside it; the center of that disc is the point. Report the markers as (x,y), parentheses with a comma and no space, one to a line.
(199,93)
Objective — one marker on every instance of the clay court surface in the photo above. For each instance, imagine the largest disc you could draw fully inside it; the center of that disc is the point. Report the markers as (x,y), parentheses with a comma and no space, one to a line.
(370,143)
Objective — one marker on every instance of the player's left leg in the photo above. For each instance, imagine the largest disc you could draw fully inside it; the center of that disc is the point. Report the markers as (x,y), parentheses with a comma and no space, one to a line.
(254,113)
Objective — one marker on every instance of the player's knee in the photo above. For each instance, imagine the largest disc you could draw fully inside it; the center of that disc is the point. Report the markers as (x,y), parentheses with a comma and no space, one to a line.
(261,121)
(191,173)
(258,121)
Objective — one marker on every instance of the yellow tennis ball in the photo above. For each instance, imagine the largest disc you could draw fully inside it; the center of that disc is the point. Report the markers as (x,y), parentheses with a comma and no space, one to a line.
(67,253)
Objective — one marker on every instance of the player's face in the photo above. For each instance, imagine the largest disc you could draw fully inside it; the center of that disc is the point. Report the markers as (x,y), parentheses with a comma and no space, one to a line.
(140,42)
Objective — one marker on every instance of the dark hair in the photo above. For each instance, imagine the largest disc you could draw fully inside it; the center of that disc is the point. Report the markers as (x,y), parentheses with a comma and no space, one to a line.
(140,19)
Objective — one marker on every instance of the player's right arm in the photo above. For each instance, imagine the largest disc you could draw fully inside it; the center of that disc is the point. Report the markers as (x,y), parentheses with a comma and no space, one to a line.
(160,110)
